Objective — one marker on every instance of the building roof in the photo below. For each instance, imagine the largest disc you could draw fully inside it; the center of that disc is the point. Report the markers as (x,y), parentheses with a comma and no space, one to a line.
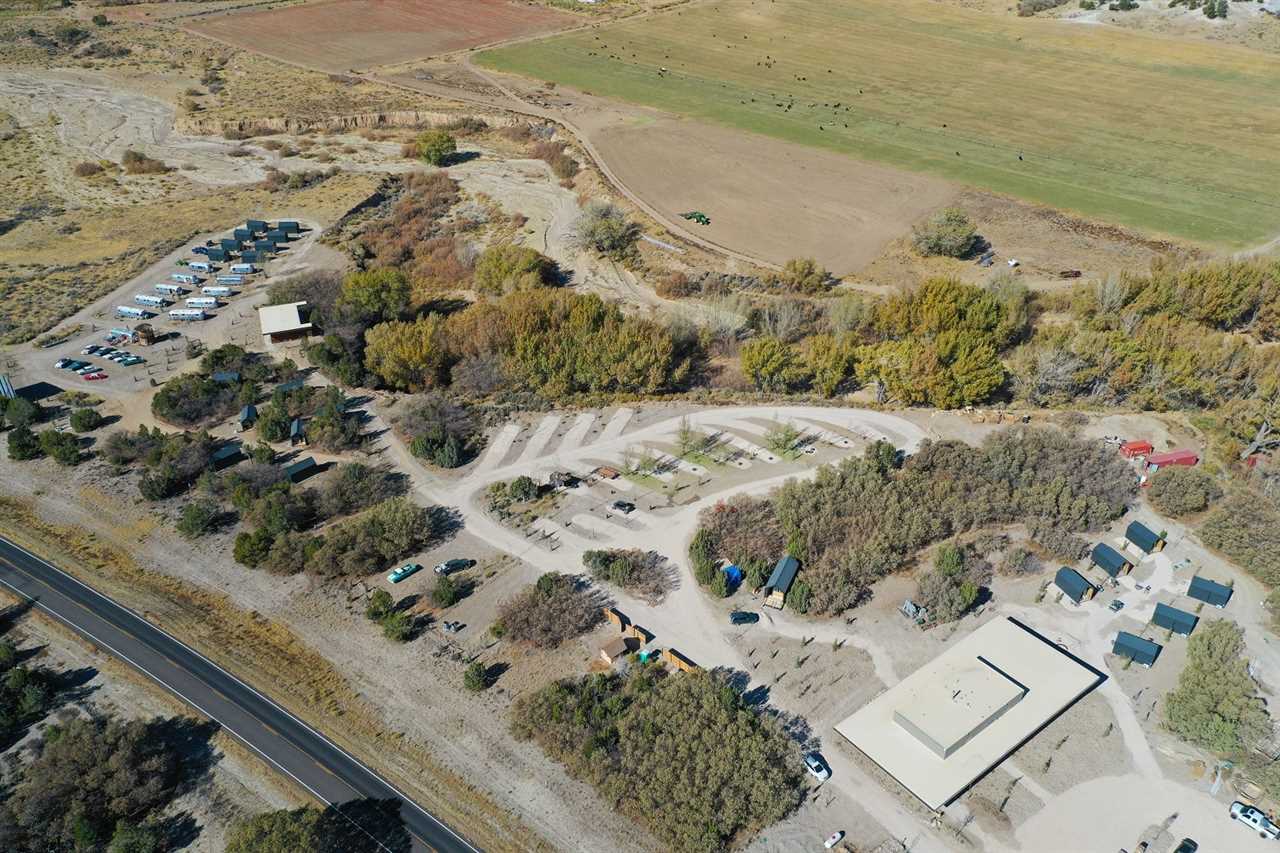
(1210,592)
(1136,648)
(279,319)
(1136,448)
(1072,583)
(248,413)
(1174,457)
(1178,621)
(225,377)
(226,451)
(616,648)
(1142,536)
(295,427)
(6,388)
(979,700)
(292,385)
(300,467)
(1108,559)
(784,574)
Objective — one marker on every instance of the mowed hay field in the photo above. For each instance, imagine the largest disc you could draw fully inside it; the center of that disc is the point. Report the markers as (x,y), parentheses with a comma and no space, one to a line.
(340,35)
(1173,137)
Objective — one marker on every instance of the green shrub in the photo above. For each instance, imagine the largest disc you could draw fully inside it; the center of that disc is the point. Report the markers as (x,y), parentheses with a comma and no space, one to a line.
(436,147)
(949,232)
(85,420)
(1178,490)
(476,677)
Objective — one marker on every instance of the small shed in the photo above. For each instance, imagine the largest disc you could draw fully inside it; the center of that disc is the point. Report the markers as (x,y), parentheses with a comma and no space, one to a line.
(1134,449)
(292,385)
(219,255)
(278,236)
(225,377)
(1074,585)
(784,574)
(300,470)
(1177,621)
(226,455)
(297,435)
(1146,540)
(1210,592)
(252,256)
(1110,560)
(248,417)
(229,244)
(288,226)
(242,234)
(1156,461)
(616,649)
(1136,648)
(261,246)
(257,226)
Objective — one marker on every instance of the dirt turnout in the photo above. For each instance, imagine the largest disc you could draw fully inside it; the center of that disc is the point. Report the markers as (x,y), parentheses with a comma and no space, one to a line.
(344,34)
(770,199)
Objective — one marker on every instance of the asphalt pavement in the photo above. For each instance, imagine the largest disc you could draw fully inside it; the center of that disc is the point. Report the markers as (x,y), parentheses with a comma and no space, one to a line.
(295,749)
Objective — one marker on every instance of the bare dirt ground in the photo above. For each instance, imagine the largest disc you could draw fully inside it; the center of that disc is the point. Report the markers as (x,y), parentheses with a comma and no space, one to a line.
(237,785)
(340,35)
(781,200)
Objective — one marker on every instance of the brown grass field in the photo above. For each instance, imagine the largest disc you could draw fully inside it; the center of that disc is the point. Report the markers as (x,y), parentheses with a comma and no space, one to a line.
(341,35)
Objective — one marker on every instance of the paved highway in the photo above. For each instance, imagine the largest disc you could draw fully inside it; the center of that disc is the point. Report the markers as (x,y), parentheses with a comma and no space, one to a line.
(293,747)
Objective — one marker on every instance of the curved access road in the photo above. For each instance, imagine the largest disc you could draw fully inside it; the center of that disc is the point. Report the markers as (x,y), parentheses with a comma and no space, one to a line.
(300,752)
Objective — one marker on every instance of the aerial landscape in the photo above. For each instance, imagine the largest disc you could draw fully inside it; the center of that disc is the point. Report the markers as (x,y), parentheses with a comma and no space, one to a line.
(639,425)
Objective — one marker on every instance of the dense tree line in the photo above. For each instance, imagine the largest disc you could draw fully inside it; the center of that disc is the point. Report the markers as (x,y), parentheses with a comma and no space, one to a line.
(865,517)
(442,431)
(643,573)
(1216,703)
(327,423)
(682,755)
(362,826)
(196,399)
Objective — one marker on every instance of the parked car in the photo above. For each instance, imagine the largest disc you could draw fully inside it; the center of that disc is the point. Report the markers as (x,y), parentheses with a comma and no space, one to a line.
(1187,846)
(92,349)
(61,363)
(1117,605)
(453,566)
(1254,817)
(88,368)
(95,376)
(743,617)
(132,360)
(817,767)
(403,572)
(200,250)
(833,839)
(623,507)
(452,627)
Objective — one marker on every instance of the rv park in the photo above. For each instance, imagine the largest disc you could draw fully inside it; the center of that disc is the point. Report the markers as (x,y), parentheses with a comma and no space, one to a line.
(638,426)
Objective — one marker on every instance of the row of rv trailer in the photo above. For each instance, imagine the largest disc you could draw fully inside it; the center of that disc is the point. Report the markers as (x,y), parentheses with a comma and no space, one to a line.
(223,282)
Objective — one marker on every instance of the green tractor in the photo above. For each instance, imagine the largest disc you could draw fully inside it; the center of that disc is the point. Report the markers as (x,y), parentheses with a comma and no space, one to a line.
(697,216)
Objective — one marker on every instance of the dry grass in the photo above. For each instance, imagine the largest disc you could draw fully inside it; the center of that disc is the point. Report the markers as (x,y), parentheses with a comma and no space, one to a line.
(269,656)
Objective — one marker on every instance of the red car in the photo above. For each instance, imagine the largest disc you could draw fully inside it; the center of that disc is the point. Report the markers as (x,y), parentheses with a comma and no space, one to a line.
(98,375)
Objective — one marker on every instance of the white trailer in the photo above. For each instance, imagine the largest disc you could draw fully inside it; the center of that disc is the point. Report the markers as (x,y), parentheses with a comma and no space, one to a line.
(214,290)
(173,289)
(200,266)
(187,314)
(202,302)
(130,311)
(230,279)
(150,299)
(185,278)
(243,269)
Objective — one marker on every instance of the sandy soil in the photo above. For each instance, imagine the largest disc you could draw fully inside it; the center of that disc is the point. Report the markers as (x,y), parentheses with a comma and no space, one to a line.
(340,35)
(237,785)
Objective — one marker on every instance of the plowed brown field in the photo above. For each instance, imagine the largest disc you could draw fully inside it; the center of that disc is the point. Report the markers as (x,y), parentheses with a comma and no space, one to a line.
(341,35)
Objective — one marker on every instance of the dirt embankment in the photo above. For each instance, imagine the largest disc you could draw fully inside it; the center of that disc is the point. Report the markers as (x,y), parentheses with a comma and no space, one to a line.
(197,126)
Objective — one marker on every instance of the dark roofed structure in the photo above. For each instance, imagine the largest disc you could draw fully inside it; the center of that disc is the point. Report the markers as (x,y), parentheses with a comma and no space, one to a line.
(1210,592)
(1177,621)
(292,385)
(1142,536)
(248,415)
(227,454)
(256,225)
(300,469)
(784,574)
(1110,560)
(1074,585)
(225,377)
(1136,648)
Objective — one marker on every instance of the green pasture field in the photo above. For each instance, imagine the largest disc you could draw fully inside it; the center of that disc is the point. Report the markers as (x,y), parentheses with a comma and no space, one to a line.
(1176,137)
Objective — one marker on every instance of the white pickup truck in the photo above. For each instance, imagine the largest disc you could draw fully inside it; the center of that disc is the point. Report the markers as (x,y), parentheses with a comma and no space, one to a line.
(1255,818)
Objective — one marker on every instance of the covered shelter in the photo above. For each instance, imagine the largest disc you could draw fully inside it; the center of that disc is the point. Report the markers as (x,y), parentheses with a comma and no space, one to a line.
(784,574)
(1110,560)
(300,470)
(1135,648)
(616,649)
(257,226)
(945,726)
(297,435)
(1143,537)
(226,455)
(248,417)
(7,391)
(282,323)
(1177,621)
(1074,585)
(1210,592)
